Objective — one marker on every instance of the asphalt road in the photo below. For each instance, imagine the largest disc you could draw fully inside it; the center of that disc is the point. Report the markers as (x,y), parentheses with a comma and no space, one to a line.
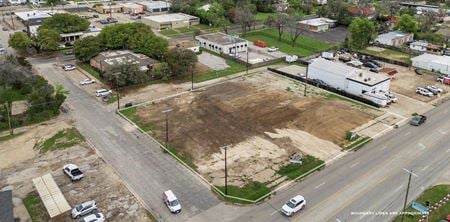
(136,158)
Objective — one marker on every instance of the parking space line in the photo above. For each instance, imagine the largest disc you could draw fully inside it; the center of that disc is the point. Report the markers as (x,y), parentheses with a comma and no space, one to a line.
(398,188)
(319,185)
(426,167)
(355,164)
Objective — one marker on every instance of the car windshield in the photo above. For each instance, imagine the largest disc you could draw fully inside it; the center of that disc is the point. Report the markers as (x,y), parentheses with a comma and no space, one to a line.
(173,203)
(79,207)
(290,204)
(76,172)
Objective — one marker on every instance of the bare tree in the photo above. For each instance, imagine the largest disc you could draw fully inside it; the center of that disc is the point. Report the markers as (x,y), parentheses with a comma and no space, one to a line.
(244,17)
(279,22)
(293,28)
(427,20)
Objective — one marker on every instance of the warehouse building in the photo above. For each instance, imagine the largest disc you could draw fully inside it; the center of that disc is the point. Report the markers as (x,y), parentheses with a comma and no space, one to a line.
(109,59)
(431,62)
(358,82)
(170,21)
(156,6)
(396,38)
(222,43)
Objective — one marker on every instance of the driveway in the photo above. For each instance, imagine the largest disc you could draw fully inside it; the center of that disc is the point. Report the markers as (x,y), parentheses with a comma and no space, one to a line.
(137,159)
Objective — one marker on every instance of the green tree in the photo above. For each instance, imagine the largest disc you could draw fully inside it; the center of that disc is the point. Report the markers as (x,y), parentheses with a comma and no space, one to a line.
(407,23)
(126,74)
(361,32)
(47,40)
(181,61)
(162,71)
(65,23)
(86,48)
(19,41)
(279,21)
(7,96)
(148,44)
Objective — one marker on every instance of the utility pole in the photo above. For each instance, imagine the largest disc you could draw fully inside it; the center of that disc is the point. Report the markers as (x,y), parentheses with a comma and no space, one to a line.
(226,170)
(117,90)
(11,131)
(167,125)
(192,78)
(12,20)
(306,80)
(246,72)
(407,191)
(110,10)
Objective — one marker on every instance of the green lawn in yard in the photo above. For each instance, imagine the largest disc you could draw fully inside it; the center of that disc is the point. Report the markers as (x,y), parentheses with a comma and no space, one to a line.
(35,207)
(130,113)
(250,191)
(61,140)
(187,29)
(294,170)
(91,70)
(432,194)
(388,53)
(168,32)
(262,16)
(304,46)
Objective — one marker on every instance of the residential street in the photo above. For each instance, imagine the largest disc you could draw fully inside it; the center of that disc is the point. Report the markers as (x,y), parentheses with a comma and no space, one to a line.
(371,179)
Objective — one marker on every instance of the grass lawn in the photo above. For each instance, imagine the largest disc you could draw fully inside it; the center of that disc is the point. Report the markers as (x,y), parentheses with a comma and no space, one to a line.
(234,68)
(61,140)
(294,170)
(432,194)
(130,113)
(8,137)
(304,46)
(91,70)
(262,16)
(185,158)
(168,32)
(390,54)
(35,207)
(250,191)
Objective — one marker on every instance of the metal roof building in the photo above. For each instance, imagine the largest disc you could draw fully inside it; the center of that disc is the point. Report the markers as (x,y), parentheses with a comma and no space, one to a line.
(431,62)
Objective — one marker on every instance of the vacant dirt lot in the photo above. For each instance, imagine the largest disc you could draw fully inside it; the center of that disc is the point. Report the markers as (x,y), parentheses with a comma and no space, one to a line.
(406,81)
(20,163)
(264,117)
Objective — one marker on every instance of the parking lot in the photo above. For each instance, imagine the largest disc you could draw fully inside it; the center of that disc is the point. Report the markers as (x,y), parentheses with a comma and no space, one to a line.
(257,54)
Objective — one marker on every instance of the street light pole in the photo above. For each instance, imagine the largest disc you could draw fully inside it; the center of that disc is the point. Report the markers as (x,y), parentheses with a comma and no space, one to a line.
(407,191)
(192,78)
(167,125)
(226,170)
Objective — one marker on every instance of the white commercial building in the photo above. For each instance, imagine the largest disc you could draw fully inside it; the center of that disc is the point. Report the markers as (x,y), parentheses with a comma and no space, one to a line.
(170,21)
(358,82)
(156,6)
(222,43)
(434,63)
(396,38)
(317,24)
(33,19)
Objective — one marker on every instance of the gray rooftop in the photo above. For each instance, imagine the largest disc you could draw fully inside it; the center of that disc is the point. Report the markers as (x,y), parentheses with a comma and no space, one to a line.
(220,38)
(391,35)
(6,206)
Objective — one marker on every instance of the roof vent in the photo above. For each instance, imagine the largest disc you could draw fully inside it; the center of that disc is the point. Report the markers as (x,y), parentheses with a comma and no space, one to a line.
(360,74)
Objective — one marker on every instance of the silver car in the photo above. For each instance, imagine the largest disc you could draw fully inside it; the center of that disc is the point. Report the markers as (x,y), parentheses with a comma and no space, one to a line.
(84,209)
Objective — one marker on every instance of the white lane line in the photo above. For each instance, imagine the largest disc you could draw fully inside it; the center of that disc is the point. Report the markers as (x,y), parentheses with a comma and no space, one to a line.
(426,167)
(448,150)
(443,132)
(275,212)
(362,216)
(319,185)
(407,133)
(355,164)
(398,188)
(421,146)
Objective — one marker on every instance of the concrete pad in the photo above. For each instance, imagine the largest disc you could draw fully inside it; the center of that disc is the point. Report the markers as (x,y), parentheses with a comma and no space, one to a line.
(374,130)
(407,106)
(212,61)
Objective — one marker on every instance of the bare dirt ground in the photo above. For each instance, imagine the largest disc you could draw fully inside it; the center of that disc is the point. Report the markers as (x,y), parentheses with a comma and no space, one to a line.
(265,118)
(406,81)
(20,163)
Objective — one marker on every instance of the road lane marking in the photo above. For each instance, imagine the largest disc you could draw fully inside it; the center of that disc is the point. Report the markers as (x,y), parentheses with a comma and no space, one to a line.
(275,212)
(398,188)
(353,165)
(362,216)
(319,185)
(407,133)
(421,146)
(426,167)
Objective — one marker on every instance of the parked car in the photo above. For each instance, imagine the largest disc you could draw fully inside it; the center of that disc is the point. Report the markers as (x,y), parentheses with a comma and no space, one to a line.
(4,29)
(418,120)
(319,82)
(423,91)
(370,65)
(84,209)
(345,58)
(73,172)
(272,49)
(435,90)
(104,22)
(103,92)
(293,205)
(87,81)
(69,67)
(95,16)
(112,20)
(444,80)
(375,62)
(418,71)
(392,98)
(171,201)
(373,70)
(97,217)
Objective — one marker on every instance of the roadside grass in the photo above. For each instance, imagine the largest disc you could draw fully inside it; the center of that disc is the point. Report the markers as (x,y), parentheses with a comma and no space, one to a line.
(294,170)
(432,194)
(358,143)
(250,191)
(151,217)
(389,54)
(88,68)
(262,16)
(168,32)
(35,207)
(8,137)
(130,113)
(183,157)
(304,46)
(61,140)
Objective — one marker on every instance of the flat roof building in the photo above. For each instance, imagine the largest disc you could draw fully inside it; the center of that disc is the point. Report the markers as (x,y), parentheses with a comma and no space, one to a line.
(133,8)
(109,59)
(105,9)
(396,38)
(170,21)
(33,19)
(317,24)
(431,62)
(222,43)
(156,6)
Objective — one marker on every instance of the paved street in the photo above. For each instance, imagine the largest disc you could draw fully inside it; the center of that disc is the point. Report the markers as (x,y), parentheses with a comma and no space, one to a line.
(136,158)
(370,180)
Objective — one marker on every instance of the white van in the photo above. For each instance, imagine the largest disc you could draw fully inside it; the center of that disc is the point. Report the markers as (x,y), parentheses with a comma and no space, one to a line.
(171,202)
(102,92)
